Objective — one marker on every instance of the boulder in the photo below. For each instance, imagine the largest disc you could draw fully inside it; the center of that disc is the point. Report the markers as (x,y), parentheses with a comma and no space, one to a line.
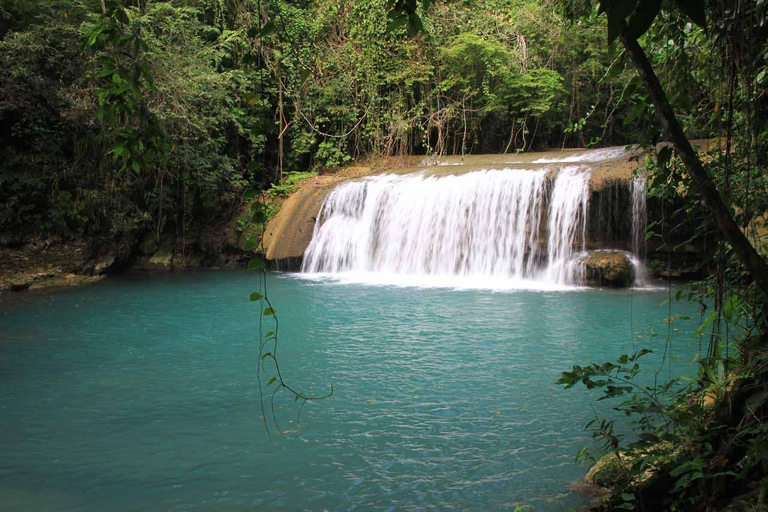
(609,268)
(160,261)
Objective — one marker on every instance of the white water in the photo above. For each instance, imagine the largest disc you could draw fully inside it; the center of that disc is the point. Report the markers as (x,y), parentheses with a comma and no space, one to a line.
(481,227)
(481,224)
(595,155)
(567,225)
(639,228)
(478,229)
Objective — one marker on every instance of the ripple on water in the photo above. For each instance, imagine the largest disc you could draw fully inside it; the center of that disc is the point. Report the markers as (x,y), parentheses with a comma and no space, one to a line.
(139,393)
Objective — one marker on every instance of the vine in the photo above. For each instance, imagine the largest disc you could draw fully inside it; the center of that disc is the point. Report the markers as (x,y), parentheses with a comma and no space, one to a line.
(268,341)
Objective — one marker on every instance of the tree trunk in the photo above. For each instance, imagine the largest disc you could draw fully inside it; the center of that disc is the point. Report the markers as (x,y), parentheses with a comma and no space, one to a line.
(747,254)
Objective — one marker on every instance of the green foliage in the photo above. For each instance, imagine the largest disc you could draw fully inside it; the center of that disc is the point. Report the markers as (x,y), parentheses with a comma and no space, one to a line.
(149,116)
(289,184)
(154,90)
(701,445)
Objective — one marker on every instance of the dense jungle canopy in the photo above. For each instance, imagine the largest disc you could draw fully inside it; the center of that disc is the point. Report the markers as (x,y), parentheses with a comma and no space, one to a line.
(324,84)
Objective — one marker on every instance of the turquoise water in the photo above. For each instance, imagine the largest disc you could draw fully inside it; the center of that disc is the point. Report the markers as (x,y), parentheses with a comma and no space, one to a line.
(139,393)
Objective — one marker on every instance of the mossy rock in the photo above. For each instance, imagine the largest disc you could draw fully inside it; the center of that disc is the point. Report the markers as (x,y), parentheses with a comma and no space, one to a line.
(609,268)
(608,472)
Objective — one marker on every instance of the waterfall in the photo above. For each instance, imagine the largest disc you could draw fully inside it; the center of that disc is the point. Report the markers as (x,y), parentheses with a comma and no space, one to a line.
(485,225)
(639,215)
(567,225)
(475,224)
(639,228)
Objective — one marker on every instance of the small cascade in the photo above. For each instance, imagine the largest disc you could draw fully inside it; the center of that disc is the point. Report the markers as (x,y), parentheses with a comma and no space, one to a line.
(567,225)
(639,214)
(639,227)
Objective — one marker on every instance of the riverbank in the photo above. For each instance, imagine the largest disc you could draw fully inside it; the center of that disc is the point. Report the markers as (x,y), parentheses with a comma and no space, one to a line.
(36,263)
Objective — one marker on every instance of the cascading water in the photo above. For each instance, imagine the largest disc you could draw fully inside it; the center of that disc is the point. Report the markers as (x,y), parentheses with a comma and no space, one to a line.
(639,227)
(484,224)
(476,224)
(567,225)
(639,214)
(497,227)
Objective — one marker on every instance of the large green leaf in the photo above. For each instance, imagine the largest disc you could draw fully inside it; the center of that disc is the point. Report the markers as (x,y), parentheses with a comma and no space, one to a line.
(641,20)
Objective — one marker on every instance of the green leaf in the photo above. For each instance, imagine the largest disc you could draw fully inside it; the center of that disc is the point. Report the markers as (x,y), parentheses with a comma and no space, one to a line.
(256,296)
(122,16)
(615,70)
(258,216)
(414,24)
(730,308)
(270,312)
(250,244)
(270,333)
(664,155)
(136,166)
(271,381)
(617,13)
(694,9)
(397,23)
(251,193)
(707,323)
(304,75)
(255,264)
(266,355)
(252,98)
(614,26)
(643,17)
(627,496)
(267,29)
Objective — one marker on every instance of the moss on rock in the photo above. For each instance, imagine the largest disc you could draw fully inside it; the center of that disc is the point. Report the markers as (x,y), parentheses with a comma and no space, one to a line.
(609,268)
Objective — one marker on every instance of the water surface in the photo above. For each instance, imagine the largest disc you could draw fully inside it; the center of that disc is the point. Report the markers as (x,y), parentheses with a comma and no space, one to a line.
(140,393)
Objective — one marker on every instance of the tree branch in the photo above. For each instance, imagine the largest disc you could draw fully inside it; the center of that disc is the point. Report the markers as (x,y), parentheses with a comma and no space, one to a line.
(748,255)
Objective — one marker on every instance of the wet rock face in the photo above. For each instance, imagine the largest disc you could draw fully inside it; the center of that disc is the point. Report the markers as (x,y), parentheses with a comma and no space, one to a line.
(609,268)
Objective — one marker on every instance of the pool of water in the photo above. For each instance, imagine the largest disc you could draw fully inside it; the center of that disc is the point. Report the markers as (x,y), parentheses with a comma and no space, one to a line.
(140,393)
